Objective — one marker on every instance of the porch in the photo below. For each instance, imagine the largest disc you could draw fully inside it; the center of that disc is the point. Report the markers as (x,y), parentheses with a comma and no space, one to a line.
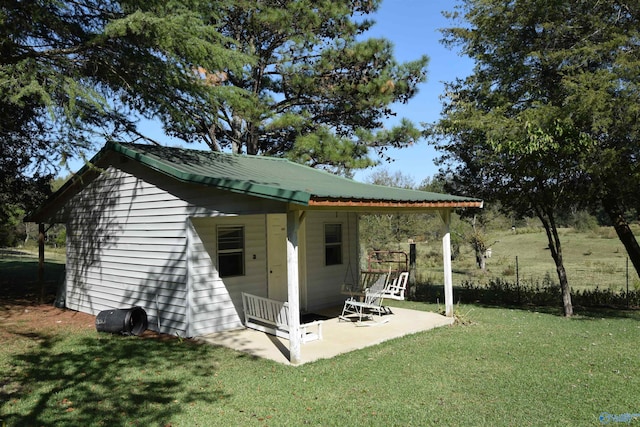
(338,336)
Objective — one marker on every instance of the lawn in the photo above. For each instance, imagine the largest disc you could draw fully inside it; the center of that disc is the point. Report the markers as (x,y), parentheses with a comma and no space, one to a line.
(19,273)
(510,367)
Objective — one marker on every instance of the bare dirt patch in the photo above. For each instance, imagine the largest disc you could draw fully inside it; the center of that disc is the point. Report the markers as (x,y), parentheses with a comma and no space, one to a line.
(19,317)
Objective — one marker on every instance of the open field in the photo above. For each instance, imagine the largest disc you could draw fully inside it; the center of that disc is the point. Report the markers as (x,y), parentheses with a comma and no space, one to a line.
(591,259)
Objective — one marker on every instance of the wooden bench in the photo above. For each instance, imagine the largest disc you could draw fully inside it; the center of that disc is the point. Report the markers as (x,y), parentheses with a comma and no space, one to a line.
(271,316)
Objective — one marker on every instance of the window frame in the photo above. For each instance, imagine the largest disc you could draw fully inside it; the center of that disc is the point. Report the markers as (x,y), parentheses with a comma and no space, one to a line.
(238,251)
(330,247)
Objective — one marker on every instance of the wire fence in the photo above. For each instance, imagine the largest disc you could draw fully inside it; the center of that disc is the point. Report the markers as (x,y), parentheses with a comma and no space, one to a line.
(615,275)
(595,284)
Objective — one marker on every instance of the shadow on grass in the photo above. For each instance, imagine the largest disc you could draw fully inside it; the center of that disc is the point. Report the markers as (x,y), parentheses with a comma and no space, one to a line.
(588,313)
(543,299)
(106,380)
(19,280)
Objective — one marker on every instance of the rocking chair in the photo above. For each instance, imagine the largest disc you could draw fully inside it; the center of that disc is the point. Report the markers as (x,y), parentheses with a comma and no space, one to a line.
(372,304)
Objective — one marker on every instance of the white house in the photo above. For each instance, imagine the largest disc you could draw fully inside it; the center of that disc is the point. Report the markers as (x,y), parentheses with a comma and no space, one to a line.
(182,233)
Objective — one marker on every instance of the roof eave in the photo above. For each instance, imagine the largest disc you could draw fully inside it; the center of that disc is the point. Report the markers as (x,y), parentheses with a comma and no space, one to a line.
(59,198)
(325,202)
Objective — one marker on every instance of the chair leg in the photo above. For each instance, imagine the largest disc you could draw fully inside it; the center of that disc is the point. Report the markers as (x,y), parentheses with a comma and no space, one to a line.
(346,310)
(349,309)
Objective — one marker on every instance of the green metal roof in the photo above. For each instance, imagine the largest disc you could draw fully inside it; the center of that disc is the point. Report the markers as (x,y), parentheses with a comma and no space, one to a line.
(267,177)
(259,176)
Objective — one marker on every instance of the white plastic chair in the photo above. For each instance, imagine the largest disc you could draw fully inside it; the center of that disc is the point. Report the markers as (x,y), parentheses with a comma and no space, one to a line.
(397,287)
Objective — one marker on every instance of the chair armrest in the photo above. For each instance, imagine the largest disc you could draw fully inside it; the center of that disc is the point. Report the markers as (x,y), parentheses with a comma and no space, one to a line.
(318,323)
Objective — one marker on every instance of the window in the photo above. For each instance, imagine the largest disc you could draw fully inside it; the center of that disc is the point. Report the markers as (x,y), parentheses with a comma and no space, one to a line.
(230,251)
(333,244)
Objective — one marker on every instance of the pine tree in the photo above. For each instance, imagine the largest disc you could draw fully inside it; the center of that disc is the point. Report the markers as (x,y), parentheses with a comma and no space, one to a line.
(74,74)
(313,90)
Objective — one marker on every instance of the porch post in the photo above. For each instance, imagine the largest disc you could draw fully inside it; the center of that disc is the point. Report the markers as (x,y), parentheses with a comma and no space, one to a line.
(446,255)
(293,292)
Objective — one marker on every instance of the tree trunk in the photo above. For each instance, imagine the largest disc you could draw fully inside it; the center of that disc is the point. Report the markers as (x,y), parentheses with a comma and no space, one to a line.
(565,290)
(252,140)
(212,142)
(41,283)
(556,253)
(479,243)
(623,231)
(236,131)
(480,259)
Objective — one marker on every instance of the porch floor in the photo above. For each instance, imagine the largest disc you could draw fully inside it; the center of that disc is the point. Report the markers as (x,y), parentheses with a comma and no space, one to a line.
(339,336)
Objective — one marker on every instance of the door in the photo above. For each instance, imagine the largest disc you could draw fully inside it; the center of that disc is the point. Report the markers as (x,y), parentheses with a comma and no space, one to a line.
(277,257)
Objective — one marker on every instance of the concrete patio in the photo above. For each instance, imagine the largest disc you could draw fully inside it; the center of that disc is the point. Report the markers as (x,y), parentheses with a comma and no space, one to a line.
(339,336)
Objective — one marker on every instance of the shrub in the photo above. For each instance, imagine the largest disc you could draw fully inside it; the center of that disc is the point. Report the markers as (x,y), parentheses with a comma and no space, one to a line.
(501,292)
(428,289)
(606,233)
(510,270)
(583,221)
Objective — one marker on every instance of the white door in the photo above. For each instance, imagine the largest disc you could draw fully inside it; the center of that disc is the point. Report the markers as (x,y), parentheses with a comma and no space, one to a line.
(277,256)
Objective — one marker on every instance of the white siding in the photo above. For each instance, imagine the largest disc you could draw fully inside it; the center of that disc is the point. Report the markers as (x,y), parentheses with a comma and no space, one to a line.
(216,303)
(116,256)
(323,282)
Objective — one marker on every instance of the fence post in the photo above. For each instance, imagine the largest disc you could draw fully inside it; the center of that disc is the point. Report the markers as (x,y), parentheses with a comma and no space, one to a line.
(518,280)
(412,270)
(41,239)
(627,282)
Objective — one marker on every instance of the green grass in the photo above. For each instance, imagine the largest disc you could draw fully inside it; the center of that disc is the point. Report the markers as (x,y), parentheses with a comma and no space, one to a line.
(19,273)
(510,367)
(591,259)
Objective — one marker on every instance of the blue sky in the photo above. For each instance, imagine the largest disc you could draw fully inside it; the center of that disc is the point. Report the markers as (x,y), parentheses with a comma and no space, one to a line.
(413,26)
